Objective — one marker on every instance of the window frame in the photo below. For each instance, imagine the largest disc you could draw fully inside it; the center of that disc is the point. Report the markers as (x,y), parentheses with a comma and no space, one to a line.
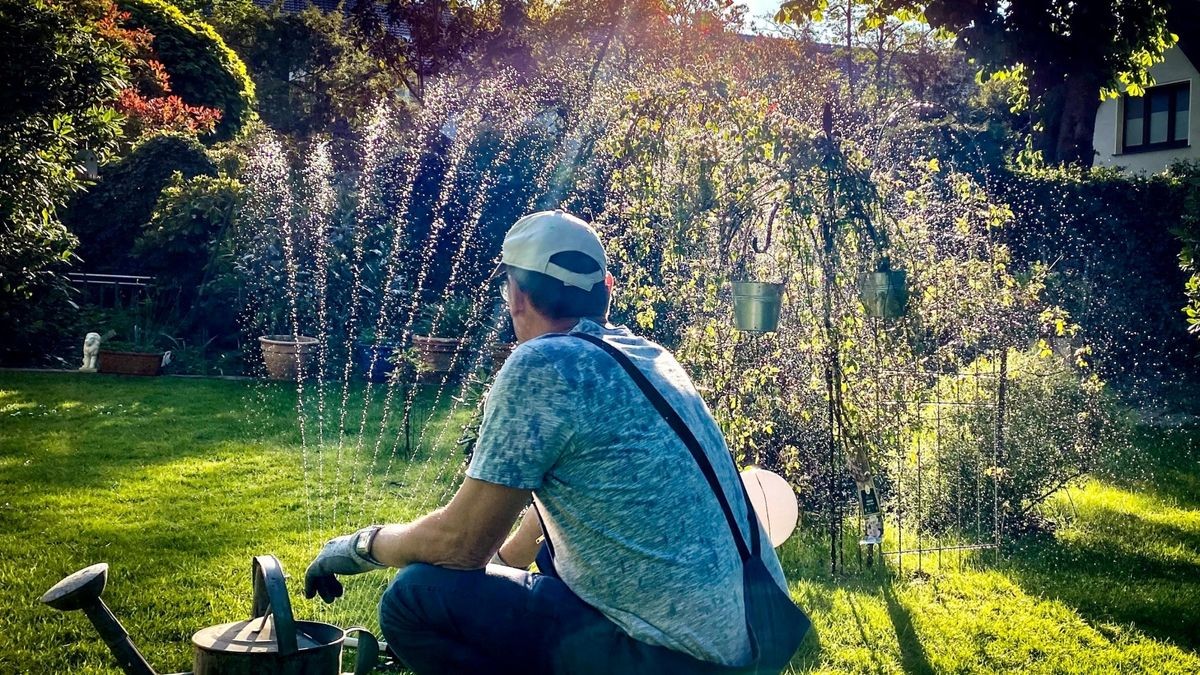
(1174,90)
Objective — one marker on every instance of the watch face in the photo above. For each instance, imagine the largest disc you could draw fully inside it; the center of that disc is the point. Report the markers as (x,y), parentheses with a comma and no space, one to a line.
(362,543)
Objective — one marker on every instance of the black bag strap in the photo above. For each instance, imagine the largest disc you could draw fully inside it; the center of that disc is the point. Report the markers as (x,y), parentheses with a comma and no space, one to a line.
(676,423)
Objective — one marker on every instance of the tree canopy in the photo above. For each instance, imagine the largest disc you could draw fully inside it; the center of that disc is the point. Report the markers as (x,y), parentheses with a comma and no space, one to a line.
(1069,54)
(203,70)
(314,71)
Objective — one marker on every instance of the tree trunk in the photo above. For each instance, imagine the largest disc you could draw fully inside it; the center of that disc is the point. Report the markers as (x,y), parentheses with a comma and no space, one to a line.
(1066,109)
(1077,126)
(1046,96)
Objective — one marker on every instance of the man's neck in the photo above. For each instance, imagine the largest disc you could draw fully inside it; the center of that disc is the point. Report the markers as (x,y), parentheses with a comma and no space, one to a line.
(548,326)
(554,326)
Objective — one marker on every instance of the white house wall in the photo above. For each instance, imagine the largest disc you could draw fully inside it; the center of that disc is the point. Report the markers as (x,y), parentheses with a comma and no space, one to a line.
(1107,140)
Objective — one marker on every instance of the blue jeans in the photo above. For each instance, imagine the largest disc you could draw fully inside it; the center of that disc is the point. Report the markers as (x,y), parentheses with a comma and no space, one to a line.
(504,620)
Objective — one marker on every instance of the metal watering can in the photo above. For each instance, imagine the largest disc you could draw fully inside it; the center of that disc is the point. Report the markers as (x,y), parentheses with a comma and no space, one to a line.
(270,642)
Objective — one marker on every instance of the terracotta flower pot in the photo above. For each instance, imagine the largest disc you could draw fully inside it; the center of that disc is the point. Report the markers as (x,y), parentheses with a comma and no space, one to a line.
(436,353)
(286,356)
(130,363)
(500,352)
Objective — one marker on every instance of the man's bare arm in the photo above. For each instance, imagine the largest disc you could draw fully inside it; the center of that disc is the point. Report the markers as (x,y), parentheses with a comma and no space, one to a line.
(522,547)
(462,535)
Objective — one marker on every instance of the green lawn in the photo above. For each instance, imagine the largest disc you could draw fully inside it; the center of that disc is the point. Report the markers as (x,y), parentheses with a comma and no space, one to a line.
(177,484)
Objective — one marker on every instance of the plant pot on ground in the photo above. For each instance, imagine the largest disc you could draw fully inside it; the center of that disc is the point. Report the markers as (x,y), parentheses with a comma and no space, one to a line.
(119,362)
(439,339)
(436,354)
(119,357)
(375,361)
(287,356)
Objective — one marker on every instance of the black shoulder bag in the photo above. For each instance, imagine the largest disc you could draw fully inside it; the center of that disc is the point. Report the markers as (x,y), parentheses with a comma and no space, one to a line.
(775,624)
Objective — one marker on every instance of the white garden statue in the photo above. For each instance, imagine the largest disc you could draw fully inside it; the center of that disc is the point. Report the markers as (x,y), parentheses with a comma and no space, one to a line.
(91,350)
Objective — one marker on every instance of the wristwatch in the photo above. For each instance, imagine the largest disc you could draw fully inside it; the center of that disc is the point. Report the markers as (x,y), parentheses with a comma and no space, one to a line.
(363,540)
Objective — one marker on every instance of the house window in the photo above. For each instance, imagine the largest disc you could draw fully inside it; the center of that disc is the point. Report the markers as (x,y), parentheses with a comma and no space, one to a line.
(1158,120)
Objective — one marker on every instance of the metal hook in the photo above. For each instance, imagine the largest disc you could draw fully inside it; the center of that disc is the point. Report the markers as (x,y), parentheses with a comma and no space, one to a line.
(770,231)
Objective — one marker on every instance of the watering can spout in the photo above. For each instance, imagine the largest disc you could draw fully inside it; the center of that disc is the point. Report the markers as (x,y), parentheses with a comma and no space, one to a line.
(82,590)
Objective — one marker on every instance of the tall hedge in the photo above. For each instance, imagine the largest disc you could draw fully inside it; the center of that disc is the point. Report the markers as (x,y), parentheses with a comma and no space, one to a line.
(203,70)
(1114,241)
(109,217)
(1188,231)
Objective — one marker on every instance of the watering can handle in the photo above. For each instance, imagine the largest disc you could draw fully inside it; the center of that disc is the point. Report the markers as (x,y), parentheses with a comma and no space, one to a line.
(270,591)
(366,656)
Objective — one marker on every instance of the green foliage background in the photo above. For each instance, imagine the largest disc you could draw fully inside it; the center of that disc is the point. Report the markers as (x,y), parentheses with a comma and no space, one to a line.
(204,71)
(109,218)
(58,80)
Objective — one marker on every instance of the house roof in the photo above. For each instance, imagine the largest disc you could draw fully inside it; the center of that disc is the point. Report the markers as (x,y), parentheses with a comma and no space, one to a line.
(1183,19)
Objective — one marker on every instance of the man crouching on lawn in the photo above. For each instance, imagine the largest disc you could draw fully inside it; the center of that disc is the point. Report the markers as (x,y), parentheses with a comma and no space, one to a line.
(639,571)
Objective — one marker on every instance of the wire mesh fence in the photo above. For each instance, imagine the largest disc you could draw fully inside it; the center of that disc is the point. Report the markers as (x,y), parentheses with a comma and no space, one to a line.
(939,449)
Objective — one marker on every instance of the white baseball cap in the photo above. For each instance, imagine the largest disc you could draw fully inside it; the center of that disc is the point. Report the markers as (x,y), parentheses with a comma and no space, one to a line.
(535,238)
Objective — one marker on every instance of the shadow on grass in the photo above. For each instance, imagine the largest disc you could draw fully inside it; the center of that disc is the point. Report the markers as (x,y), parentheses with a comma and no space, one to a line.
(854,589)
(1135,572)
(1133,556)
(856,596)
(912,653)
(89,431)
(85,437)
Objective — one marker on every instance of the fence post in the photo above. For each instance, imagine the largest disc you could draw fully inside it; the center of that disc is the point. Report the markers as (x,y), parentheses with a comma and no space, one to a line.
(998,450)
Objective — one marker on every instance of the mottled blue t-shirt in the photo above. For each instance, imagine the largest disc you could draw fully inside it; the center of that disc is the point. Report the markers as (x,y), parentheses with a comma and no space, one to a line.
(637,532)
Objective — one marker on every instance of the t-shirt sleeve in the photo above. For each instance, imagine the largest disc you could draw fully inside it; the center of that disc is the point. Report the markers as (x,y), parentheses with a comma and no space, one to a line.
(526,422)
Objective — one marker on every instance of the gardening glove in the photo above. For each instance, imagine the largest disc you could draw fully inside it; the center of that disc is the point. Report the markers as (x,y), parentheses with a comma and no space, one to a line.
(338,556)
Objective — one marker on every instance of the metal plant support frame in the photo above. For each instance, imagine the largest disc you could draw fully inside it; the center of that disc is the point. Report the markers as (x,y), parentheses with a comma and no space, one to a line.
(901,410)
(910,454)
(857,462)
(833,367)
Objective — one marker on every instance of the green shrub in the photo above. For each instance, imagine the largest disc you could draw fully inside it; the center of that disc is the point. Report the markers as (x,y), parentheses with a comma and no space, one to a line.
(1060,424)
(110,217)
(203,70)
(444,318)
(181,247)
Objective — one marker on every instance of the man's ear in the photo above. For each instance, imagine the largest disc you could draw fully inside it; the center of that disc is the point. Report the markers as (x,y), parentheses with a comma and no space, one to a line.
(518,302)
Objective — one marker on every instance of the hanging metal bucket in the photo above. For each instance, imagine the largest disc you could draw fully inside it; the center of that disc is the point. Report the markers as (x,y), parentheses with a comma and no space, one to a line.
(756,306)
(884,294)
